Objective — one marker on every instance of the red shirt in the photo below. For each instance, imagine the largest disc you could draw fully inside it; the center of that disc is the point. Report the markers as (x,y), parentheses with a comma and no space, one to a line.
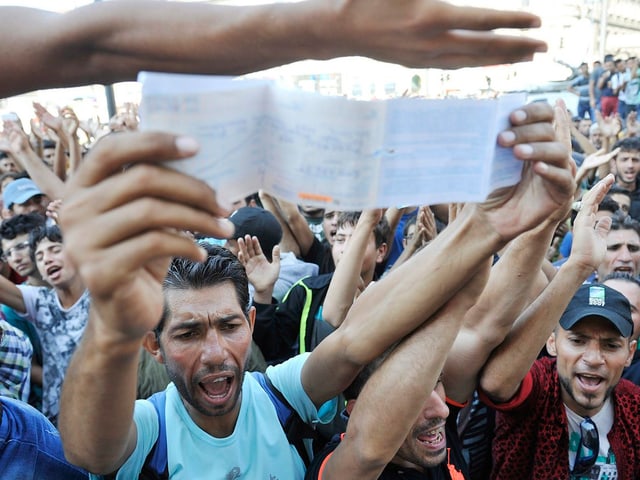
(532,437)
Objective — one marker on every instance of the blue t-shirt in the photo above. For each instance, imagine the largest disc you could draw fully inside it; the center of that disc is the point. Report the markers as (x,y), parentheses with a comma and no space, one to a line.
(581,84)
(30,446)
(258,447)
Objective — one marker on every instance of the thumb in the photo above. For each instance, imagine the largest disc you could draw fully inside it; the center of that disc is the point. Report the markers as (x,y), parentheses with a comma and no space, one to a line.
(275,255)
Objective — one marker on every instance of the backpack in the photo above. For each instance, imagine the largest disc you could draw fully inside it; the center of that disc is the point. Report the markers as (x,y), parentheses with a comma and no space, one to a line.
(299,434)
(312,328)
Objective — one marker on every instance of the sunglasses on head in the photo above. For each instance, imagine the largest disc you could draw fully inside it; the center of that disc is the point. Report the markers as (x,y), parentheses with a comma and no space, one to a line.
(588,447)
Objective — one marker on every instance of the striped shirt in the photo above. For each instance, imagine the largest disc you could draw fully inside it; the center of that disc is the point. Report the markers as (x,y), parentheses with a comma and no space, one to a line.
(15,362)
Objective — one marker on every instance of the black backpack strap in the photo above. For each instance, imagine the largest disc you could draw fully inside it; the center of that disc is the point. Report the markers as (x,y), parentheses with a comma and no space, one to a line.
(296,429)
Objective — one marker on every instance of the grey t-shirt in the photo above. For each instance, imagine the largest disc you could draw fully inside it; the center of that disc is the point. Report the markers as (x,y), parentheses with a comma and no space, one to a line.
(60,331)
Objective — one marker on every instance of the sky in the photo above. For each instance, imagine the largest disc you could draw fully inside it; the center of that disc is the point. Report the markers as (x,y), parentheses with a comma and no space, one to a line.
(55,5)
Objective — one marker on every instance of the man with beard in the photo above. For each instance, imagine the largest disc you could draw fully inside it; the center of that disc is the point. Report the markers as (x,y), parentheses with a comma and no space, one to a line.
(418,440)
(568,416)
(415,435)
(623,248)
(205,338)
(626,166)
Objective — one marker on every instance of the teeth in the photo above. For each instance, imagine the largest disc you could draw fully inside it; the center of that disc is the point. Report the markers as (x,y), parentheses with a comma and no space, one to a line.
(432,437)
(590,379)
(216,388)
(435,441)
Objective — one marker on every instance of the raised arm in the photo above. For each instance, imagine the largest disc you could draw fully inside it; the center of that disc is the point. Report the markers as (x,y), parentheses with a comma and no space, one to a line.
(70,125)
(346,279)
(112,41)
(404,382)
(140,212)
(425,232)
(509,363)
(262,273)
(11,295)
(586,146)
(513,283)
(45,179)
(289,242)
(421,286)
(298,226)
(594,161)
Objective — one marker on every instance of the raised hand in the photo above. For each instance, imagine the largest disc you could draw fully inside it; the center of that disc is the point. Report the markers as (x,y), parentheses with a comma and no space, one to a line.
(547,186)
(53,210)
(426,224)
(589,245)
(633,127)
(131,116)
(609,126)
(261,273)
(140,212)
(14,141)
(49,120)
(5,145)
(598,158)
(432,33)
(70,122)
(36,128)
(53,124)
(92,128)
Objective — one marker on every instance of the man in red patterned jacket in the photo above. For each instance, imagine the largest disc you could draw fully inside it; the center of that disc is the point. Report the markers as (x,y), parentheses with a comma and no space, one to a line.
(570,416)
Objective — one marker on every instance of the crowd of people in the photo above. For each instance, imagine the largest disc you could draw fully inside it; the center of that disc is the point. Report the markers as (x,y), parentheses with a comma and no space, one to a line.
(148,332)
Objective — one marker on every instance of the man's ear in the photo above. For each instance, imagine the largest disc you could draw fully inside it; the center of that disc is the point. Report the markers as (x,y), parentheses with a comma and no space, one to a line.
(551,345)
(382,253)
(350,404)
(151,345)
(252,318)
(633,345)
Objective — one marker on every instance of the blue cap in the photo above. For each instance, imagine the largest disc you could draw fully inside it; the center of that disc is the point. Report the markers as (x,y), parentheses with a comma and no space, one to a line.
(19,191)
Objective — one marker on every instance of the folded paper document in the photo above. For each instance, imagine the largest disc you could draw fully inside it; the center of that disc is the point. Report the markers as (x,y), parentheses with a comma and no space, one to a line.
(332,152)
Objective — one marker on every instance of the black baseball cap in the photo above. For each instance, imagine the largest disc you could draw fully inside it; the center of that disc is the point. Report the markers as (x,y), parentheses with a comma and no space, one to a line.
(258,222)
(601,301)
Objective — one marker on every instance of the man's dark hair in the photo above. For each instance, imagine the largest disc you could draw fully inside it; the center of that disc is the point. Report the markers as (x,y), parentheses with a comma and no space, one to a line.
(627,277)
(20,224)
(411,221)
(381,232)
(624,222)
(254,197)
(608,204)
(221,266)
(50,232)
(629,144)
(14,175)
